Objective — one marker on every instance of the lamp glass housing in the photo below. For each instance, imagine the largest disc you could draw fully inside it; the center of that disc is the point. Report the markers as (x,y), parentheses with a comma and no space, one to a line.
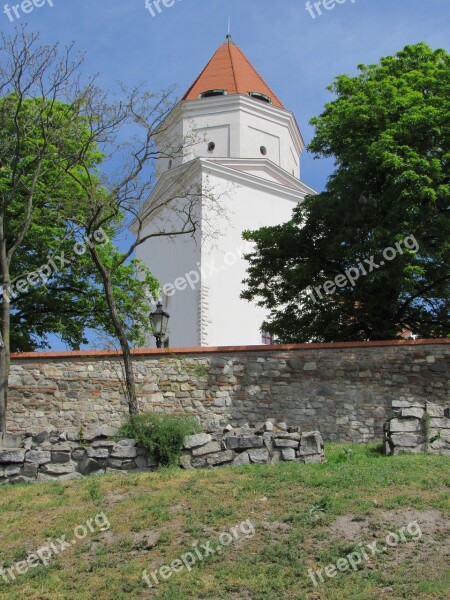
(160,321)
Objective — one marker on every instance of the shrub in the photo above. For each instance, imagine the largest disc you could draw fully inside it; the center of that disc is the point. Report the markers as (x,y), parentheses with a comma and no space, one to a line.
(161,435)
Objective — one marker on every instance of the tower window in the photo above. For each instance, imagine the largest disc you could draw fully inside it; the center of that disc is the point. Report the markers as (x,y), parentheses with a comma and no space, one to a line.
(211,147)
(213,93)
(170,164)
(261,97)
(263,150)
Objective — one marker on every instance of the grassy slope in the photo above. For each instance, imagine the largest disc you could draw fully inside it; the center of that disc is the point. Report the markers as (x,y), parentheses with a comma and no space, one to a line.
(294,509)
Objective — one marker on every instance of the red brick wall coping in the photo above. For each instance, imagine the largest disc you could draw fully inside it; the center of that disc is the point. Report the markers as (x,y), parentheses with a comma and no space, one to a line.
(227,349)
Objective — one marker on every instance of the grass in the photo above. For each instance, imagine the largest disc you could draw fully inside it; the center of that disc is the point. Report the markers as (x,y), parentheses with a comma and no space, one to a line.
(296,510)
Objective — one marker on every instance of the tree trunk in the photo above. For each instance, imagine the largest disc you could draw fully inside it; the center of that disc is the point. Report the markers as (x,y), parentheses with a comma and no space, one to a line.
(5,344)
(121,335)
(126,350)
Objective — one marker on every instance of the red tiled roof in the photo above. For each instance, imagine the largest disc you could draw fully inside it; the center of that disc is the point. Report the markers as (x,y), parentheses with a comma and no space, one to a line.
(230,70)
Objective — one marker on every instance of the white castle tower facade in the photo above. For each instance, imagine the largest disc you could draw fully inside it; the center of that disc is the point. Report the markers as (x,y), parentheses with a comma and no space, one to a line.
(248,147)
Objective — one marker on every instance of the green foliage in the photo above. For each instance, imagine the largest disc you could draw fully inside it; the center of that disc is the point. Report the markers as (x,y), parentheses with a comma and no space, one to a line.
(161,435)
(388,132)
(71,300)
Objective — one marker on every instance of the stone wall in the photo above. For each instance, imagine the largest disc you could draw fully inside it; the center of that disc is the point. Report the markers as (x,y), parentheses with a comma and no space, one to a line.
(345,390)
(270,443)
(56,455)
(418,427)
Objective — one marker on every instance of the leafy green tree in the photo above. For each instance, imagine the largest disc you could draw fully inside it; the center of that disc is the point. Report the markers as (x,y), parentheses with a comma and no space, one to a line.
(388,131)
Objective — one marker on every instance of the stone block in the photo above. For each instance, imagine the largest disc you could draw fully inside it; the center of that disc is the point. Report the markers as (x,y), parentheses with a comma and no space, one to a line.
(43,477)
(241,459)
(60,457)
(56,447)
(400,404)
(417,413)
(288,454)
(89,465)
(275,456)
(12,470)
(38,457)
(405,425)
(437,423)
(219,458)
(198,463)
(103,444)
(407,439)
(123,451)
(232,442)
(185,461)
(251,441)
(116,463)
(78,454)
(443,434)
(126,442)
(30,470)
(311,443)
(199,439)
(98,452)
(57,469)
(285,443)
(208,448)
(435,410)
(12,456)
(439,444)
(259,456)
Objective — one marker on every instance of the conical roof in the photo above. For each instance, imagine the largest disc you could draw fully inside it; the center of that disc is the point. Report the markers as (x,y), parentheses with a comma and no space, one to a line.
(230,70)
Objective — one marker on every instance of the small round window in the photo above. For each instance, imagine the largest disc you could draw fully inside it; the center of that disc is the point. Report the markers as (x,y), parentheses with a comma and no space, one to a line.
(211,147)
(263,150)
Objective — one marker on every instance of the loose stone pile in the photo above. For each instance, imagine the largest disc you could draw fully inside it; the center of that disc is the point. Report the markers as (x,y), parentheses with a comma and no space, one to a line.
(63,456)
(418,427)
(269,443)
(54,455)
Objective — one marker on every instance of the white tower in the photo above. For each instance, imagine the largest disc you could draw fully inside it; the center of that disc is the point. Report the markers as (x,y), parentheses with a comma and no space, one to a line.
(250,145)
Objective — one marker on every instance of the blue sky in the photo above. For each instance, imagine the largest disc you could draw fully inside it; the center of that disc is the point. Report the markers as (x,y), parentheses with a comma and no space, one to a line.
(297,55)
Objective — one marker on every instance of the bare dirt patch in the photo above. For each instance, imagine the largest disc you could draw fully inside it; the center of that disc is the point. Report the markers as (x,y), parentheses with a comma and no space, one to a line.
(432,544)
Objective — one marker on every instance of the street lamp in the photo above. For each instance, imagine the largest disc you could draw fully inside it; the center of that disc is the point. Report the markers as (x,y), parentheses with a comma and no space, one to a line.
(160,321)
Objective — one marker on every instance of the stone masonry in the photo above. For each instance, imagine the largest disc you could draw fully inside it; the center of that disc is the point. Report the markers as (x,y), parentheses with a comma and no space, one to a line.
(346,390)
(270,443)
(61,456)
(418,427)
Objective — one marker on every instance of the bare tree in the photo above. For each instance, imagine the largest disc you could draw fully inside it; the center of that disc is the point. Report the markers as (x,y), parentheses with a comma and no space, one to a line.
(122,198)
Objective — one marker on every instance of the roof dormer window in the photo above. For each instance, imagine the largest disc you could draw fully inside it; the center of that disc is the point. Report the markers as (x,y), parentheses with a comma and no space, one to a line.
(261,97)
(213,93)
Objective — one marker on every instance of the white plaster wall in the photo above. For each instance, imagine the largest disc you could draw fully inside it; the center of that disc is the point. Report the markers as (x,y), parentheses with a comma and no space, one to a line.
(257,131)
(239,126)
(168,259)
(231,320)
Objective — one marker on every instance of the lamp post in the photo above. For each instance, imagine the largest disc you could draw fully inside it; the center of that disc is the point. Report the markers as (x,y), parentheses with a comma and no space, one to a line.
(160,321)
